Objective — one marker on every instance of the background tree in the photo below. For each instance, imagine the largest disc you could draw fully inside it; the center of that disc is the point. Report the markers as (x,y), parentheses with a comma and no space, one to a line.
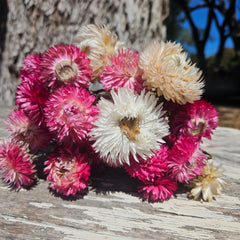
(33,26)
(220,12)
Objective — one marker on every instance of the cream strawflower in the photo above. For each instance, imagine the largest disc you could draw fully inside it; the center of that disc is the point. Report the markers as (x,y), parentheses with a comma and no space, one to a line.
(209,184)
(167,70)
(98,43)
(129,125)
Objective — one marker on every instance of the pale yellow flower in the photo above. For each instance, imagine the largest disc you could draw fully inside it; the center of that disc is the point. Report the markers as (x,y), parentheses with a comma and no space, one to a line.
(207,185)
(98,43)
(167,70)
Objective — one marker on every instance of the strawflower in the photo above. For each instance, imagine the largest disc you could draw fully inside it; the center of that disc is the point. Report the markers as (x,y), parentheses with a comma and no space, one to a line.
(207,185)
(65,65)
(68,172)
(70,112)
(159,190)
(31,96)
(167,70)
(31,65)
(23,130)
(128,125)
(195,119)
(185,160)
(98,43)
(123,71)
(16,166)
(150,169)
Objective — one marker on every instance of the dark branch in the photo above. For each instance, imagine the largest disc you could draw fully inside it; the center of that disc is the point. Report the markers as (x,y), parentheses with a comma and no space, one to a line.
(202,5)
(209,21)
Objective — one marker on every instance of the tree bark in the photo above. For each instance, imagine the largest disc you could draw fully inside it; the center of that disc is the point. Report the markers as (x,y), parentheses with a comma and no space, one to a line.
(35,25)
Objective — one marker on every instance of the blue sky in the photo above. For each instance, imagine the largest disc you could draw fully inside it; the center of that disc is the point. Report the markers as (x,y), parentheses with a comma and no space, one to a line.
(200,19)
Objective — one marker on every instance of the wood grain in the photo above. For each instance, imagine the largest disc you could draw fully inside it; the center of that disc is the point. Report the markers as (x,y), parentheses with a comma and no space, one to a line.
(112,209)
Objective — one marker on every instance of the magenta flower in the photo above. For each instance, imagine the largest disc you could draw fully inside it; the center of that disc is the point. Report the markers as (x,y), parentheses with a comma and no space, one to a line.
(16,166)
(151,168)
(195,119)
(158,190)
(123,72)
(185,160)
(70,113)
(68,172)
(31,65)
(26,132)
(65,65)
(31,96)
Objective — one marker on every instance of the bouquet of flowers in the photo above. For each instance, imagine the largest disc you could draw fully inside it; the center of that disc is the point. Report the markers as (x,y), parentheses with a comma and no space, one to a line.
(147,117)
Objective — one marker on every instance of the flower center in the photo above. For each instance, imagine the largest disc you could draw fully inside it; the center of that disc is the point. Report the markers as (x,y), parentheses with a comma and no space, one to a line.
(70,110)
(199,126)
(66,70)
(130,128)
(63,171)
(67,167)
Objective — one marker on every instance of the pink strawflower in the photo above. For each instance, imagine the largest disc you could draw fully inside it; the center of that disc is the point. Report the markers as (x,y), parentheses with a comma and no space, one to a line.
(31,96)
(185,160)
(195,119)
(65,64)
(123,72)
(170,140)
(16,166)
(151,168)
(68,172)
(26,132)
(158,190)
(31,65)
(70,113)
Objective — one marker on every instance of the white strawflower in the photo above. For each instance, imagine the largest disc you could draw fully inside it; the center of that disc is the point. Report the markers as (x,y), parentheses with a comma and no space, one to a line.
(128,125)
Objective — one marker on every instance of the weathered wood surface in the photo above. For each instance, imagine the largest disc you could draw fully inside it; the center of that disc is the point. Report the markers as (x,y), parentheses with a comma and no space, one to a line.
(112,209)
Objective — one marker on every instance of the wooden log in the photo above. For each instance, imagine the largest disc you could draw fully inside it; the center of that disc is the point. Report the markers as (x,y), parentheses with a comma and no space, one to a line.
(112,208)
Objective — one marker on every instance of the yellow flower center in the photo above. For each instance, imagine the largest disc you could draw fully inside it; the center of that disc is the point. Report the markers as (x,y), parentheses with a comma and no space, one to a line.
(130,128)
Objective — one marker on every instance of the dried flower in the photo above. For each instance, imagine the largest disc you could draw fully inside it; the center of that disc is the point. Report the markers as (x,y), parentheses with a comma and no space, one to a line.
(68,172)
(195,119)
(65,65)
(70,112)
(31,96)
(16,166)
(167,70)
(31,65)
(185,160)
(26,132)
(158,190)
(150,169)
(99,103)
(208,184)
(123,71)
(98,43)
(129,125)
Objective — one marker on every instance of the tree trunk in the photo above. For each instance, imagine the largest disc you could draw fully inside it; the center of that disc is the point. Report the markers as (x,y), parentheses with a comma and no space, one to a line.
(33,26)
